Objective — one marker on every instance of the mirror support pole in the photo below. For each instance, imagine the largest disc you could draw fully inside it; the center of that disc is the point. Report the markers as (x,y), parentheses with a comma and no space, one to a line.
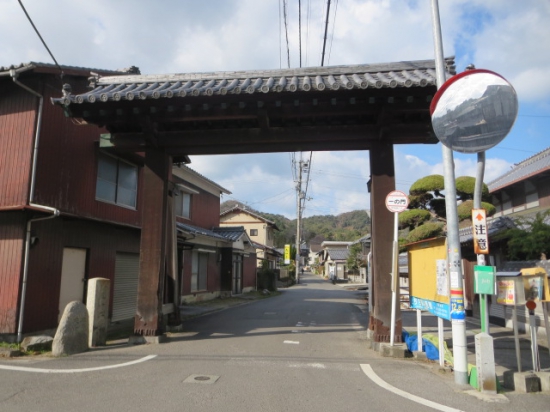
(454,265)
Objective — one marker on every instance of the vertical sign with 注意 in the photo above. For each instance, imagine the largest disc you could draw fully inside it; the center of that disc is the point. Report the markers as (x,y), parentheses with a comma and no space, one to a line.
(481,238)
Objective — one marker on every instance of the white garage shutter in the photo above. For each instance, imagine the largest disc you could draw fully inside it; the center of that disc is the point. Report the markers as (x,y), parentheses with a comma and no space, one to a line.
(125,287)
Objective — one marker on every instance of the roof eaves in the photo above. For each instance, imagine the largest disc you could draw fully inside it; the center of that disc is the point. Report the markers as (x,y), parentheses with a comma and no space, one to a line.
(315,79)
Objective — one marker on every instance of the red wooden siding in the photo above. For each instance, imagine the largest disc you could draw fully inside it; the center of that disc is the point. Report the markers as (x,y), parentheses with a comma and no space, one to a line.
(12,234)
(67,167)
(102,241)
(205,207)
(17,121)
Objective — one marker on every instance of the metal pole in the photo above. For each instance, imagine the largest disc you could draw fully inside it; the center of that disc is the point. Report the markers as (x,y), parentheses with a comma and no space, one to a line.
(395,274)
(534,345)
(516,336)
(453,253)
(298,215)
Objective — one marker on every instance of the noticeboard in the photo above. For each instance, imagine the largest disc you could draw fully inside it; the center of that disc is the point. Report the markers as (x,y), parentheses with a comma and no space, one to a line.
(516,288)
(428,277)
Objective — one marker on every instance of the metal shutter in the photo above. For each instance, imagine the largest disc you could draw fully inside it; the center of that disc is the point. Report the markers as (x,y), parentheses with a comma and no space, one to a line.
(125,287)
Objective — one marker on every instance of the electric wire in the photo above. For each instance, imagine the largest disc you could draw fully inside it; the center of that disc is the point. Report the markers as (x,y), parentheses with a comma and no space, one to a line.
(333,30)
(286,33)
(41,39)
(325,36)
(280,39)
(300,30)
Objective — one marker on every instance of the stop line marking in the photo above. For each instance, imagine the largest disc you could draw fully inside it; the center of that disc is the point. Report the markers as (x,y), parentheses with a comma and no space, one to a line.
(99,368)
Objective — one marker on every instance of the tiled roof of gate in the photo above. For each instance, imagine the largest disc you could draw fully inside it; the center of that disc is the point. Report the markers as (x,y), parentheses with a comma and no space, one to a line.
(419,73)
(529,167)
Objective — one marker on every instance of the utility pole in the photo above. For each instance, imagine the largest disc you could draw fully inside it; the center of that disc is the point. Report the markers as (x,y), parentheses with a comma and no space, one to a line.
(299,197)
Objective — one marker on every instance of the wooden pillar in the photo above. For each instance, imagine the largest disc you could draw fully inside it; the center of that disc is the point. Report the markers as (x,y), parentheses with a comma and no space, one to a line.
(382,183)
(149,320)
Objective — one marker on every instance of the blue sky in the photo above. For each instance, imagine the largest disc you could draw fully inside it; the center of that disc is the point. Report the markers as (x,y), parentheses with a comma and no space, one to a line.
(509,37)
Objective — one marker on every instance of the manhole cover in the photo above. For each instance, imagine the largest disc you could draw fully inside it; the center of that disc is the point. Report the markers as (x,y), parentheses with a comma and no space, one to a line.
(204,379)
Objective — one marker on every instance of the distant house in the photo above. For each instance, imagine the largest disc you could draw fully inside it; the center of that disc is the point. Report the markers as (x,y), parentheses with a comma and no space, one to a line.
(314,249)
(333,257)
(212,261)
(525,189)
(259,229)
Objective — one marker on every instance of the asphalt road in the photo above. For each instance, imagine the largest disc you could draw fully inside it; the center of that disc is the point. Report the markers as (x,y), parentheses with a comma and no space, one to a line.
(302,351)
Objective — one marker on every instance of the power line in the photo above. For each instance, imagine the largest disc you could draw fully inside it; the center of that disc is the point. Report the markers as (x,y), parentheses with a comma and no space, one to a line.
(300,29)
(286,33)
(280,40)
(307,28)
(325,37)
(333,30)
(40,36)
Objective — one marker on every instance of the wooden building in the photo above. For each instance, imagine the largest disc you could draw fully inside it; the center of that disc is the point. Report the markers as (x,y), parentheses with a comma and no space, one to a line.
(71,210)
(58,228)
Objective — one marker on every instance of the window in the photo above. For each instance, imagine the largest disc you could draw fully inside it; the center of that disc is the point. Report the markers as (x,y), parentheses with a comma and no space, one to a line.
(183,204)
(253,232)
(199,271)
(116,181)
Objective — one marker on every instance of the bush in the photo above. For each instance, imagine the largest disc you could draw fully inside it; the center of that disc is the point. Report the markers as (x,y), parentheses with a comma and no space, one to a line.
(426,231)
(413,218)
(267,279)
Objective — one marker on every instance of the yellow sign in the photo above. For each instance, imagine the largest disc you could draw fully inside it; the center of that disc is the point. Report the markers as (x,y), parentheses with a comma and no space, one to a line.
(287,254)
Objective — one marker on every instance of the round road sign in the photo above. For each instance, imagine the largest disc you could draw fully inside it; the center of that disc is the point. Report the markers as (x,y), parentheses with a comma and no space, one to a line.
(397,201)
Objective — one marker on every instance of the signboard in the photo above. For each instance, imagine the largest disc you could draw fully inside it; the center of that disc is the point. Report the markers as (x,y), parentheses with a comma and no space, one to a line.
(397,201)
(287,254)
(439,309)
(429,277)
(484,280)
(506,292)
(479,230)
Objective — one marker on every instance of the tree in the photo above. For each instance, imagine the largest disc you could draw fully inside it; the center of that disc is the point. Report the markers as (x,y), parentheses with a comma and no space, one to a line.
(355,257)
(529,239)
(426,216)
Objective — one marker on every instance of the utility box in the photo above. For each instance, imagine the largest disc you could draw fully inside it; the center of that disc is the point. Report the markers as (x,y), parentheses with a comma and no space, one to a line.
(515,288)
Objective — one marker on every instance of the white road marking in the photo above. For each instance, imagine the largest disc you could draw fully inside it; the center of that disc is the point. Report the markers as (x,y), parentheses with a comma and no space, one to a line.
(367,369)
(291,342)
(99,368)
(307,365)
